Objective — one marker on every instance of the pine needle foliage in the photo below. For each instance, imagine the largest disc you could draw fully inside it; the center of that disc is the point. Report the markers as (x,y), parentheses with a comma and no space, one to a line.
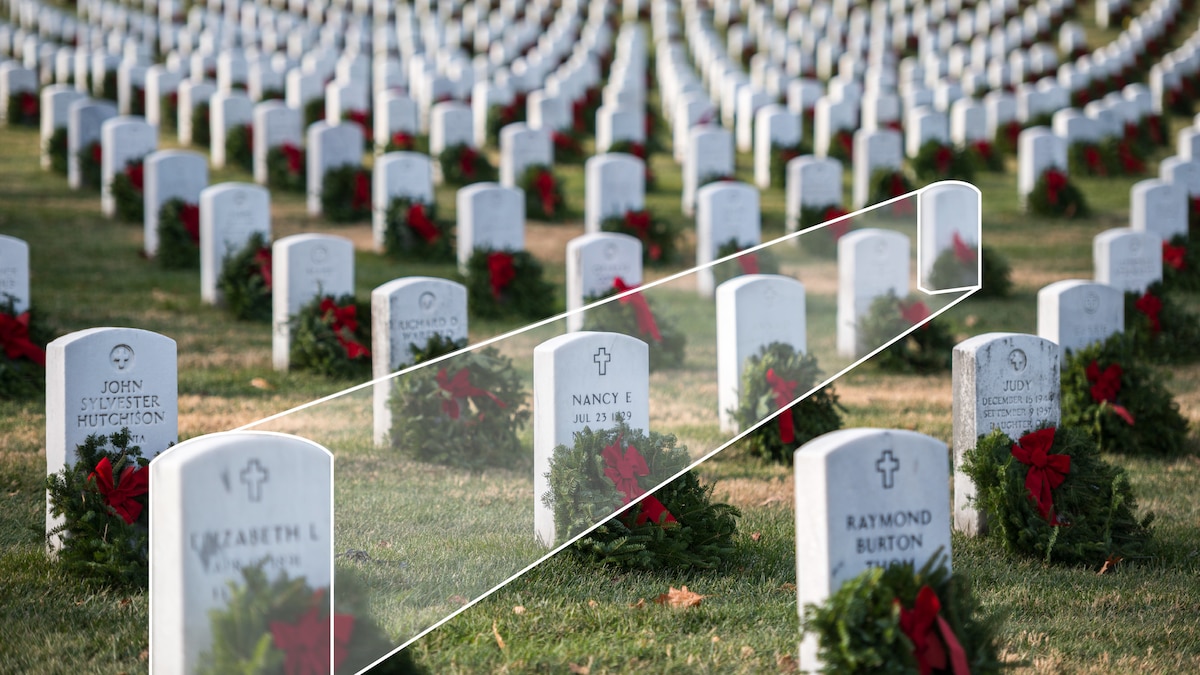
(21,378)
(618,317)
(925,350)
(317,347)
(244,289)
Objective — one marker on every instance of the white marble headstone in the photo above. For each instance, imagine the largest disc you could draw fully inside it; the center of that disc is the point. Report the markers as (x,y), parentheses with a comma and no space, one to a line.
(725,211)
(871,262)
(230,213)
(1075,313)
(614,183)
(398,175)
(593,262)
(304,266)
(1127,259)
(166,175)
(490,216)
(14,272)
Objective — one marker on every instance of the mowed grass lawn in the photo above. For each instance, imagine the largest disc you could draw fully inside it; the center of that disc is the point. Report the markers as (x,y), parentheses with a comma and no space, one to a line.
(564,616)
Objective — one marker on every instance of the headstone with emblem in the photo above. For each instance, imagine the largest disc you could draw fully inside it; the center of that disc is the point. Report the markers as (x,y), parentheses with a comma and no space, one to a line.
(1077,313)
(230,213)
(14,272)
(594,261)
(166,175)
(725,212)
(1127,259)
(304,266)
(871,262)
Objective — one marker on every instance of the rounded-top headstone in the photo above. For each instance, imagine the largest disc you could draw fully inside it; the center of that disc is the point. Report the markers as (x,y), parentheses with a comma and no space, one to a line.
(1075,313)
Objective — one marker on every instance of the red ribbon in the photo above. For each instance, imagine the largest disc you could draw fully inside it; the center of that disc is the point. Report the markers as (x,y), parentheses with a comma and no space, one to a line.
(846,140)
(943,157)
(29,104)
(343,322)
(785,392)
(189,215)
(97,152)
(639,222)
(1091,156)
(295,157)
(1195,205)
(787,154)
(1046,471)
(749,263)
(637,150)
(578,110)
(362,191)
(460,387)
(1150,305)
(623,470)
(564,143)
(360,117)
(646,324)
(1056,181)
(544,184)
(249,136)
(501,271)
(305,644)
(984,149)
(120,497)
(1175,256)
(1013,131)
(134,171)
(918,625)
(402,140)
(963,252)
(420,223)
(1106,385)
(841,227)
(1129,161)
(14,338)
(914,312)
(466,161)
(263,259)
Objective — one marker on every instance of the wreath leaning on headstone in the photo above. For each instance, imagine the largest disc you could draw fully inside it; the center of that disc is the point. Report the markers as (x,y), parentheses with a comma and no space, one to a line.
(463,165)
(245,280)
(841,146)
(899,620)
(464,412)
(823,243)
(500,115)
(201,124)
(544,199)
(127,192)
(568,148)
(90,171)
(314,111)
(633,316)
(761,261)
(178,235)
(102,500)
(1158,326)
(926,349)
(939,161)
(413,232)
(1056,196)
(239,146)
(678,526)
(640,151)
(1120,402)
(168,111)
(657,235)
(56,150)
(1181,264)
(283,626)
(773,378)
(1049,495)
(22,352)
(956,267)
(286,168)
(780,156)
(508,284)
(330,336)
(888,183)
(346,194)
(985,155)
(23,109)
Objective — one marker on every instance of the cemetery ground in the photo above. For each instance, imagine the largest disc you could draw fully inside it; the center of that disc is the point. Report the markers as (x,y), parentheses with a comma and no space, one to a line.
(564,616)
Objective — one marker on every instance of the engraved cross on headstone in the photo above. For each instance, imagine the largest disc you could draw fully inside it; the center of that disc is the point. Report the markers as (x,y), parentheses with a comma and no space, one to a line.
(887,465)
(601,359)
(254,475)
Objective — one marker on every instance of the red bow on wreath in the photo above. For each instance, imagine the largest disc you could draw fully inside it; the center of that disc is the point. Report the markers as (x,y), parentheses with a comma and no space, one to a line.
(564,143)
(918,625)
(263,259)
(14,338)
(1012,131)
(646,324)
(343,322)
(637,150)
(1150,305)
(578,113)
(362,191)
(402,140)
(295,158)
(545,185)
(1056,181)
(460,387)
(420,223)
(305,644)
(189,216)
(1174,256)
(29,105)
(501,271)
(623,470)
(360,117)
(1046,471)
(1195,205)
(984,150)
(785,392)
(846,140)
(841,227)
(1106,385)
(1129,161)
(749,263)
(943,157)
(787,154)
(97,152)
(639,222)
(466,161)
(134,171)
(914,312)
(120,497)
(963,252)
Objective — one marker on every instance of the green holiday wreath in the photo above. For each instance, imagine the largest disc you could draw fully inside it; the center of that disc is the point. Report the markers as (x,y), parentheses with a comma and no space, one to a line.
(413,232)
(330,337)
(544,199)
(925,350)
(137,101)
(1159,327)
(955,268)
(1008,136)
(56,150)
(504,284)
(1090,159)
(363,119)
(464,412)
(463,165)
(1181,265)
(314,111)
(888,183)
(283,626)
(568,147)
(772,378)
(677,527)
(103,500)
(239,146)
(759,262)
(502,115)
(23,109)
(245,280)
(437,345)
(168,111)
(1054,195)
(634,316)
(108,86)
(1075,509)
(642,152)
(178,235)
(1120,402)
(780,156)
(90,168)
(824,242)
(937,161)
(201,124)
(841,146)
(346,194)
(985,156)
(127,192)
(402,141)
(23,356)
(286,168)
(897,619)
(658,236)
